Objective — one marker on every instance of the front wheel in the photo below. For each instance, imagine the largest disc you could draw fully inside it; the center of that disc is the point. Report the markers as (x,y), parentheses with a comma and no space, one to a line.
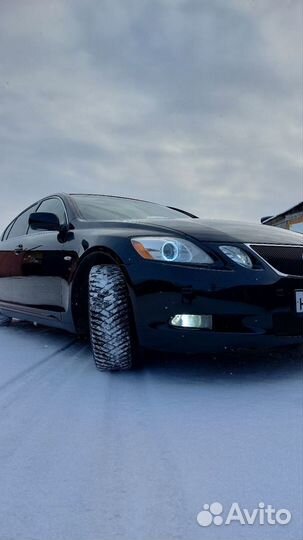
(110,319)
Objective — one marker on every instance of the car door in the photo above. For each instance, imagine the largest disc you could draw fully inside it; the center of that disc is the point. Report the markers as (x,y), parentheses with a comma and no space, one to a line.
(44,265)
(11,259)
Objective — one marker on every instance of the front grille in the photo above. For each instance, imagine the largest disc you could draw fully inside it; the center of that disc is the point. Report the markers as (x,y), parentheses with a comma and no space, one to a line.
(286,259)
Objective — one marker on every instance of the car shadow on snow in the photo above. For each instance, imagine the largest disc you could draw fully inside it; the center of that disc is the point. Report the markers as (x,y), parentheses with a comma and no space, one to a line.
(236,367)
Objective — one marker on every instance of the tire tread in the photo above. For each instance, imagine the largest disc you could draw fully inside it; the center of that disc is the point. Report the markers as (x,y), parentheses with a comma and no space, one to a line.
(109,319)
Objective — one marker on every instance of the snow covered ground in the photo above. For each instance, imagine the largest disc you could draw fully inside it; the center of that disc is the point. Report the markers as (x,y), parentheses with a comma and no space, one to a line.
(135,456)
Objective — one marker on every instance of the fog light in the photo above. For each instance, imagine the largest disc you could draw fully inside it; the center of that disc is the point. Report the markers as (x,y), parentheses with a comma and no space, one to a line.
(192,321)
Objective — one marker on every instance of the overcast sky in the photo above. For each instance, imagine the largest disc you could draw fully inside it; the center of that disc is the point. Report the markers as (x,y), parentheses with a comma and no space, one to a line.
(193,103)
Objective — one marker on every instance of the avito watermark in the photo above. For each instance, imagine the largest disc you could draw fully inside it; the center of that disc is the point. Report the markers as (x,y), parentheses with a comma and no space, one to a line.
(214,514)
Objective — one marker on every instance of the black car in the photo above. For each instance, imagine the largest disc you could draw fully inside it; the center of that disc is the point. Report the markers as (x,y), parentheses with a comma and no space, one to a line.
(135,274)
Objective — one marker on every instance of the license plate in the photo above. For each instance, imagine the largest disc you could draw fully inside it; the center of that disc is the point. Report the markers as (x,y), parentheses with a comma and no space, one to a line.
(299,301)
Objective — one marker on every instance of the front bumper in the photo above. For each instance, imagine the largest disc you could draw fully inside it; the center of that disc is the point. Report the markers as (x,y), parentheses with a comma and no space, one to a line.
(250,308)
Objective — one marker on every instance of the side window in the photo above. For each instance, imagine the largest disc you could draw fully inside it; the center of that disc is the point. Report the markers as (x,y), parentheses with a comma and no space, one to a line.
(5,234)
(54,206)
(20,225)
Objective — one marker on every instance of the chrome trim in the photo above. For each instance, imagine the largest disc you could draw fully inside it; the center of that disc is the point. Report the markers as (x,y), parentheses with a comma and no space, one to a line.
(281,274)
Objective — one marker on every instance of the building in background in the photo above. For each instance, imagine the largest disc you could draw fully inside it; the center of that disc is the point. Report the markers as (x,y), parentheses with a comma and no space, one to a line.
(291,219)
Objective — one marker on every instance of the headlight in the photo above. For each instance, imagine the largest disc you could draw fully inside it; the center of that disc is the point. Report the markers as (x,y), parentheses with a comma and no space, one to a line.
(162,248)
(237,255)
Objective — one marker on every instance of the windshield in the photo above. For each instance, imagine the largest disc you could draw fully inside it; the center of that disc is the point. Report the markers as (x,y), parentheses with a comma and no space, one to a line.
(104,208)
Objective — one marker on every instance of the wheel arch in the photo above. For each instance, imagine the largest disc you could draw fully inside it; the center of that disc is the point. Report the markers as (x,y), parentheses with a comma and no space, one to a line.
(79,285)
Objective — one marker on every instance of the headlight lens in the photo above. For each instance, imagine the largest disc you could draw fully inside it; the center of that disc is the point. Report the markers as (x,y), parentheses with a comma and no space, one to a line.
(176,250)
(237,255)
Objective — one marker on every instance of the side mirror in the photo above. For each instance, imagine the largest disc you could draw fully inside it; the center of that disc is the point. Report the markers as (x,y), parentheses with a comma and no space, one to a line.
(44,221)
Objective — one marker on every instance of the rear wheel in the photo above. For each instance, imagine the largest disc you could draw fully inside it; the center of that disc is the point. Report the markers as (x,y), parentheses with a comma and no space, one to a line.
(111,333)
(5,321)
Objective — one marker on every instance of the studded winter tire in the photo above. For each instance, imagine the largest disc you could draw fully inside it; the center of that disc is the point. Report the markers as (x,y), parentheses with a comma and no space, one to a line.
(110,319)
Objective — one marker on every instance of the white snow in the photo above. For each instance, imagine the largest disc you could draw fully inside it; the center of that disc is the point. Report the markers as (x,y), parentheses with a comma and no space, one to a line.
(134,455)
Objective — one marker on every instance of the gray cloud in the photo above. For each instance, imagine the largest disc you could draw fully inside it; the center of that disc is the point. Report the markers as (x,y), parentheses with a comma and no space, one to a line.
(188,102)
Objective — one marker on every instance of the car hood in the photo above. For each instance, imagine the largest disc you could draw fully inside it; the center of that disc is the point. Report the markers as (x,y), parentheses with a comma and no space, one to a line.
(226,231)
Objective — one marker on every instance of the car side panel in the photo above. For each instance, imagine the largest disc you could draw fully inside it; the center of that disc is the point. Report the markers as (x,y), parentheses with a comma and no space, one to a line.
(31,283)
(11,269)
(43,267)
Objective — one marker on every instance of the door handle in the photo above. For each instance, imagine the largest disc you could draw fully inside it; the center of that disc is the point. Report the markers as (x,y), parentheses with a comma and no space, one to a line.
(18,249)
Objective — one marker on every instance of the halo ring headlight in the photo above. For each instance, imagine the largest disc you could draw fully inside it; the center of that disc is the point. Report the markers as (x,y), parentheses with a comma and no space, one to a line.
(170,251)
